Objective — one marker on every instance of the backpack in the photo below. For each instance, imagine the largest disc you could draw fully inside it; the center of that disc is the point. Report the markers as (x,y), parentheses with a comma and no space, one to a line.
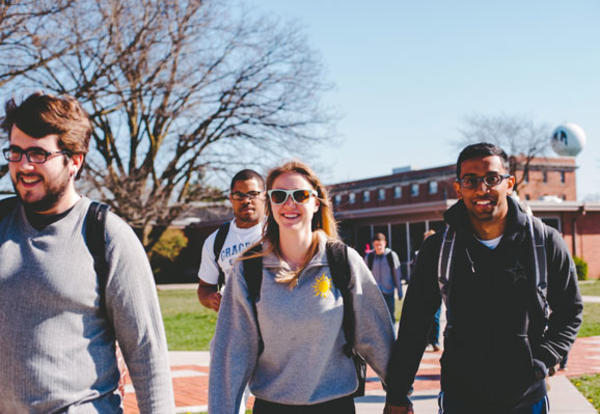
(337,257)
(389,257)
(217,247)
(537,236)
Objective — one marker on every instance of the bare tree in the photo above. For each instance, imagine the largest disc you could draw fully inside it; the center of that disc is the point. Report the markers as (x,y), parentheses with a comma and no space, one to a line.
(518,135)
(26,42)
(24,39)
(177,88)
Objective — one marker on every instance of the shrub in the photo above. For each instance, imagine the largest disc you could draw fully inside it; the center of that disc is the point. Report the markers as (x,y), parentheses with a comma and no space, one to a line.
(582,268)
(165,254)
(170,244)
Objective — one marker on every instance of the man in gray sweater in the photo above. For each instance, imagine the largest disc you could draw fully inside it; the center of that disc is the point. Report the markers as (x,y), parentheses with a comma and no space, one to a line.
(58,323)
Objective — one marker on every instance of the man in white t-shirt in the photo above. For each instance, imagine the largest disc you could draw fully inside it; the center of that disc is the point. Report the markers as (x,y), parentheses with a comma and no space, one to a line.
(247,196)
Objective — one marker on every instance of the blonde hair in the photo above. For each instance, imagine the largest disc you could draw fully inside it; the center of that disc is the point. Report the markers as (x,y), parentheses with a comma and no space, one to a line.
(322,222)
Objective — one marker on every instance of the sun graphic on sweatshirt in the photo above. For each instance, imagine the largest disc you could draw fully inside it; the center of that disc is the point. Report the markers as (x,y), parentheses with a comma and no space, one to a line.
(322,285)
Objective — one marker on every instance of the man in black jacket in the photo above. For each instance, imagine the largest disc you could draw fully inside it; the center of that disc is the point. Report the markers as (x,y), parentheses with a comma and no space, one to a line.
(497,348)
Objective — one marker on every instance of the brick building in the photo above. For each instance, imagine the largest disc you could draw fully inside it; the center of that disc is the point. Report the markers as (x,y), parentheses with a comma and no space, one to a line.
(406,203)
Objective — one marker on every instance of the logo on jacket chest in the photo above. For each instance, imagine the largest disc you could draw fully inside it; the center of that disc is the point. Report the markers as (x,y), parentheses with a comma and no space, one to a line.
(517,273)
(322,285)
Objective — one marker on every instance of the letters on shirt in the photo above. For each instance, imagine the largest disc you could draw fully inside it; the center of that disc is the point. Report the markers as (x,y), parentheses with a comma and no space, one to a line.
(228,254)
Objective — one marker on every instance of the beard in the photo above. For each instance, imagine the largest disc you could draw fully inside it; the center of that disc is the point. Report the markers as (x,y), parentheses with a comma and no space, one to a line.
(53,192)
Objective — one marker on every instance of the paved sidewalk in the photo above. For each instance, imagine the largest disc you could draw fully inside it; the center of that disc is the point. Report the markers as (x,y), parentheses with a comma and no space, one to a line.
(190,382)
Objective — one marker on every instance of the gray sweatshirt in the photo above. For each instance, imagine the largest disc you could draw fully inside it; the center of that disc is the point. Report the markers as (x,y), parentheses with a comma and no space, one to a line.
(303,361)
(57,351)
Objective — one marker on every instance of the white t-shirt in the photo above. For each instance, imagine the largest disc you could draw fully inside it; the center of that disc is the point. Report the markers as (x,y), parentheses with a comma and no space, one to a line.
(236,242)
(492,243)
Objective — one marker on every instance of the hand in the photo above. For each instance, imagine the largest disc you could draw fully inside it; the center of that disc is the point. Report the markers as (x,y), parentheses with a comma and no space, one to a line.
(398,409)
(214,301)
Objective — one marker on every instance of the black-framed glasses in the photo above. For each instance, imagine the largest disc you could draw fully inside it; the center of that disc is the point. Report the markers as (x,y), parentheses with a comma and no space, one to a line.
(300,196)
(490,180)
(239,195)
(34,155)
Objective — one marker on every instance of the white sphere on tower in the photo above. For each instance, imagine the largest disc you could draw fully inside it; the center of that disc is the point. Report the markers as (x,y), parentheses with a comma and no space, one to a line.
(568,139)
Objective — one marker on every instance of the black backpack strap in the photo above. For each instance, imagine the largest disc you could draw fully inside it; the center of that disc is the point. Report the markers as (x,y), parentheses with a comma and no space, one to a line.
(253,276)
(217,247)
(390,260)
(7,205)
(337,257)
(370,259)
(538,234)
(95,224)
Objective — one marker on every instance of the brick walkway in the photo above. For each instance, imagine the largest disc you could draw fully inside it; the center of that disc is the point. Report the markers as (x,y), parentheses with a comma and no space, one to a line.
(190,382)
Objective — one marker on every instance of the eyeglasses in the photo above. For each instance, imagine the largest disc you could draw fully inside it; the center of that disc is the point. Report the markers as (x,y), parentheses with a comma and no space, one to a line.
(34,155)
(490,180)
(299,196)
(238,195)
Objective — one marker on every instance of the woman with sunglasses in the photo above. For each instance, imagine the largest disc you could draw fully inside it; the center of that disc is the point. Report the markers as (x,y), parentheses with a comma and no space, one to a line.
(299,312)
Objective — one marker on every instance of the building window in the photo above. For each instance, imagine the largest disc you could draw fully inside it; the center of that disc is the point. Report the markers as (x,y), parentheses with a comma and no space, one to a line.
(545,176)
(397,192)
(352,198)
(337,199)
(433,187)
(444,193)
(414,190)
(526,177)
(562,177)
(527,197)
(552,222)
(382,193)
(366,196)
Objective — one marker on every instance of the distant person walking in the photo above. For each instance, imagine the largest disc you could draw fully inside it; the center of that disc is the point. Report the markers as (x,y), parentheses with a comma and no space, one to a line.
(499,272)
(74,279)
(385,266)
(280,326)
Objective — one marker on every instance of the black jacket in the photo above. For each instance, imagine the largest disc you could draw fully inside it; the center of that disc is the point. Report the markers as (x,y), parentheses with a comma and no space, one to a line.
(495,347)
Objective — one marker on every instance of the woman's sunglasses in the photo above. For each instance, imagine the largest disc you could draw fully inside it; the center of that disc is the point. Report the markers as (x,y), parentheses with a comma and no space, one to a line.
(299,196)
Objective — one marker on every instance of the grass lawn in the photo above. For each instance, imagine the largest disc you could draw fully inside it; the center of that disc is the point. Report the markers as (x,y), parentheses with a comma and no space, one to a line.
(589,386)
(590,288)
(189,325)
(591,320)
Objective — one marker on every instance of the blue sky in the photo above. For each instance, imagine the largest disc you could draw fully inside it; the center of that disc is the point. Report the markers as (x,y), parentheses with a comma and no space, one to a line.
(407,73)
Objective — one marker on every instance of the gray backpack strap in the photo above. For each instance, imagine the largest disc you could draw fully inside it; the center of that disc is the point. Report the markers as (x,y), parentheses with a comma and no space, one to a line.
(537,233)
(445,261)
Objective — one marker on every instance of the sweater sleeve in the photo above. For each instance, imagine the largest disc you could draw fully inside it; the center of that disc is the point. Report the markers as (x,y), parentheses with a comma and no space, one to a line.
(132,305)
(565,303)
(374,333)
(422,301)
(234,350)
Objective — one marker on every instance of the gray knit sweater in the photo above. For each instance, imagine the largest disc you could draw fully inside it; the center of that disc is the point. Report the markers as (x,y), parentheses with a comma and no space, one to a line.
(303,360)
(57,350)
